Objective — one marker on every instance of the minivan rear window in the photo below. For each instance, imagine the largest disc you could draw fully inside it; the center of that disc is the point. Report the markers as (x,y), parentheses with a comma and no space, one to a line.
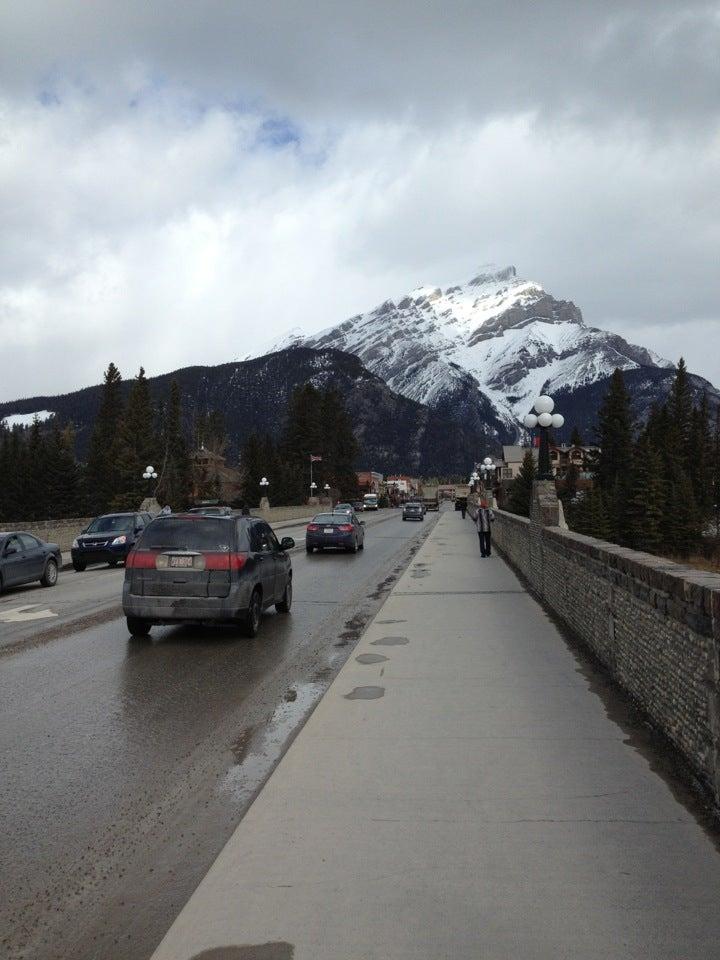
(177,533)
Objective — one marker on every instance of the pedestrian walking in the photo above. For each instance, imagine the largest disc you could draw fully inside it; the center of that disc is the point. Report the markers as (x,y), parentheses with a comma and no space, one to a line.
(485,518)
(463,508)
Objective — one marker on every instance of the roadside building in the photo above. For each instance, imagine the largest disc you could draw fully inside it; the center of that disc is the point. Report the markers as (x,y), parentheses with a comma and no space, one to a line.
(212,477)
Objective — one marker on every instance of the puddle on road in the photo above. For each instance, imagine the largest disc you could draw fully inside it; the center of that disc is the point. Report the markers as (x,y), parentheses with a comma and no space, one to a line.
(366,693)
(367,658)
(390,642)
(257,750)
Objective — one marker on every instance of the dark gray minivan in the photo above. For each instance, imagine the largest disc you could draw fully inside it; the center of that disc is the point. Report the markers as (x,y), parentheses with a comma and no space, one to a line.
(189,568)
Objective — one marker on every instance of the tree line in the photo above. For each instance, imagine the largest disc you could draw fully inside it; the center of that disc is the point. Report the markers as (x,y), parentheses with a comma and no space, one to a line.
(42,479)
(655,488)
(317,424)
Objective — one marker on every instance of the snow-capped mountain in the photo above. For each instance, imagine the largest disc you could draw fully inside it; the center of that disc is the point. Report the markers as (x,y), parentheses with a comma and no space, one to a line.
(494,343)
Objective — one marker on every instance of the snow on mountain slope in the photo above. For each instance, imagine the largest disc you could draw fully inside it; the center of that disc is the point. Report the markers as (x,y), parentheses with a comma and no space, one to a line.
(506,335)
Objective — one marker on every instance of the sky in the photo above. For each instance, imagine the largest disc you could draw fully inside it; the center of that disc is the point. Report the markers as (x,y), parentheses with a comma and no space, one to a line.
(180,183)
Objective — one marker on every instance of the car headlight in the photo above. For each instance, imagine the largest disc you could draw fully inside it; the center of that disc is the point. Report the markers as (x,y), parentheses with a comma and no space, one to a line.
(119,541)
(76,544)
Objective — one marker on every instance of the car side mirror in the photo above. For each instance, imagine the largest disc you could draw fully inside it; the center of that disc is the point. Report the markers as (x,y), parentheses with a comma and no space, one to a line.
(287,543)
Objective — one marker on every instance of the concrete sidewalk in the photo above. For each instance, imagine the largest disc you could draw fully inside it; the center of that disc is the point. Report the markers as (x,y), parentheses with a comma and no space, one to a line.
(459,793)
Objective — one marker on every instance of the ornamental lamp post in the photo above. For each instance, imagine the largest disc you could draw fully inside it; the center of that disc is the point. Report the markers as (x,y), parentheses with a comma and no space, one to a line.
(313,488)
(150,474)
(474,478)
(487,469)
(264,502)
(326,488)
(544,418)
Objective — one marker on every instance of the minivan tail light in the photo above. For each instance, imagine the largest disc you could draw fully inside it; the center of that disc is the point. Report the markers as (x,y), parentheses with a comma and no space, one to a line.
(225,561)
(140,560)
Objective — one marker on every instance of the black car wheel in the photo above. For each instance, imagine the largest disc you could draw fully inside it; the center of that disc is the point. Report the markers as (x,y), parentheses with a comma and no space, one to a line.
(78,566)
(50,576)
(253,616)
(138,627)
(284,605)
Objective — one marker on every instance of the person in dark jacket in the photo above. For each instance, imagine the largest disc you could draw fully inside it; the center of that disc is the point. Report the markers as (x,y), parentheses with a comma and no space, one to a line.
(485,517)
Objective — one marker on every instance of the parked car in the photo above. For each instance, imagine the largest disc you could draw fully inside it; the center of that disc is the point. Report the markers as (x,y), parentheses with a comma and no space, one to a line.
(25,558)
(335,530)
(198,569)
(108,539)
(413,511)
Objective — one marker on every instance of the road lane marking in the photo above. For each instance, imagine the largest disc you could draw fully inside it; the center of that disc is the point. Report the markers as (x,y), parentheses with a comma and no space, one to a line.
(28,612)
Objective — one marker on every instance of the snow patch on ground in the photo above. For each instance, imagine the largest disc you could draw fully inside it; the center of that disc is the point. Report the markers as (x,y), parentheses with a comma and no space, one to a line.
(26,419)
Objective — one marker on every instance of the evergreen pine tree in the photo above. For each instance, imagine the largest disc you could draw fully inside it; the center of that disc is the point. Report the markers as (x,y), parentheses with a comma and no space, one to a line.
(339,445)
(615,437)
(137,445)
(175,480)
(62,475)
(646,496)
(103,468)
(251,466)
(520,497)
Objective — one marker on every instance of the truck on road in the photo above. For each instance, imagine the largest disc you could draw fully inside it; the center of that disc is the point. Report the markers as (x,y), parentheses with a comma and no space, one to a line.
(430,497)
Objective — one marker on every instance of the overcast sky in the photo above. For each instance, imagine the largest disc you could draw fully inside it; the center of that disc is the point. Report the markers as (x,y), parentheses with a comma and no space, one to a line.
(180,182)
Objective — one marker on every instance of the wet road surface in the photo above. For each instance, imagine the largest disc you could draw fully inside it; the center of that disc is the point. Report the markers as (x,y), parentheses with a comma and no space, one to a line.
(126,765)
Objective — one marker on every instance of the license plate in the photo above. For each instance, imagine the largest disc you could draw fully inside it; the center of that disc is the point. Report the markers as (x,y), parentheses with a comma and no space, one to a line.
(328,530)
(181,561)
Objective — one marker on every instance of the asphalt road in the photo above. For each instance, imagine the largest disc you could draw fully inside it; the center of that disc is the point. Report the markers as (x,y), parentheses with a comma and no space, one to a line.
(126,766)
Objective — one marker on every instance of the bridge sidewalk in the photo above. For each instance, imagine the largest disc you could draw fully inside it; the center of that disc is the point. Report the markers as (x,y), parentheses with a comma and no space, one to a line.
(460,792)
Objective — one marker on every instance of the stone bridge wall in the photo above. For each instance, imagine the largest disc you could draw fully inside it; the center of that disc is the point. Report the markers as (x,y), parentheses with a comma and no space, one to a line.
(654,624)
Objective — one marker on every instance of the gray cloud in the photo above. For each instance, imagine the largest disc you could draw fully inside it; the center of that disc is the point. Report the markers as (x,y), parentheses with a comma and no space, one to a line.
(250,167)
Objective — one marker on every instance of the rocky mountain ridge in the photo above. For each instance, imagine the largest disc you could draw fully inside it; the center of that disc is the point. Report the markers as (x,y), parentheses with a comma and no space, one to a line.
(494,344)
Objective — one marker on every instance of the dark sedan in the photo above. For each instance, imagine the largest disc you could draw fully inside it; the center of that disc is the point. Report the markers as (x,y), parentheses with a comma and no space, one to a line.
(108,539)
(335,530)
(413,511)
(24,558)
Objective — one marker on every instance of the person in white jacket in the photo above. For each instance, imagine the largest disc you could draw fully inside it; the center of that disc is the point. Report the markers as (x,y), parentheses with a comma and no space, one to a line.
(485,518)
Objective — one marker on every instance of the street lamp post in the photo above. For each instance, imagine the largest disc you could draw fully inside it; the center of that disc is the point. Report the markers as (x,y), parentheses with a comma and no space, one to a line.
(264,502)
(313,488)
(487,469)
(326,488)
(474,479)
(150,474)
(544,418)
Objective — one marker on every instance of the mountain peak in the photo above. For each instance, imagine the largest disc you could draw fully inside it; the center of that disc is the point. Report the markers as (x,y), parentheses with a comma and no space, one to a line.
(491,273)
